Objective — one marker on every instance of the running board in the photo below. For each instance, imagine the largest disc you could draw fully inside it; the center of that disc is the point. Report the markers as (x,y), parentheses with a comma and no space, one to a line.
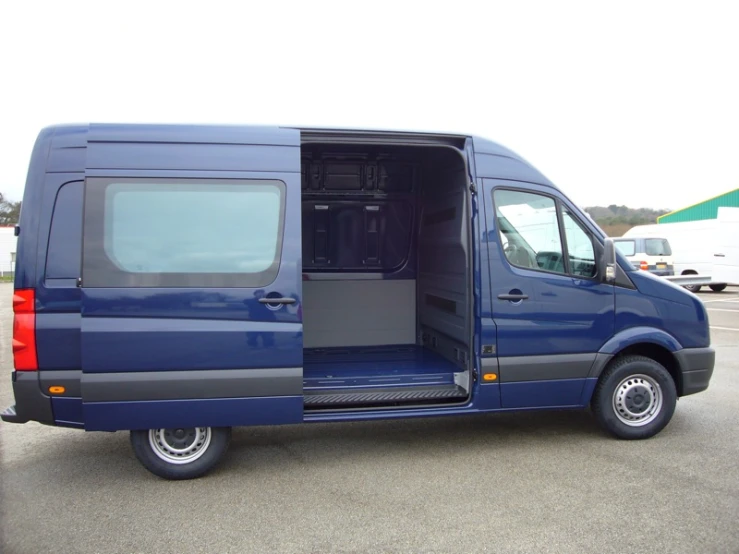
(382,397)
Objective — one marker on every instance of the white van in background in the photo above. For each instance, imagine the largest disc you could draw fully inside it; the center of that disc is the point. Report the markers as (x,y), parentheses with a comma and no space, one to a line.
(651,254)
(708,247)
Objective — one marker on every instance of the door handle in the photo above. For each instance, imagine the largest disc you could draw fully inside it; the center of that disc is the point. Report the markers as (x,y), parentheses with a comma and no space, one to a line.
(513,297)
(283,300)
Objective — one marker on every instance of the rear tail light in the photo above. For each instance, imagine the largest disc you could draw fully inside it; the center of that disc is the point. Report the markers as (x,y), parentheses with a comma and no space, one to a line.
(24,330)
(644,266)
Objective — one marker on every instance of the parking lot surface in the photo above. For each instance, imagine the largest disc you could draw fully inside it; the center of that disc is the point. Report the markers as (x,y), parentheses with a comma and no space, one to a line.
(531,482)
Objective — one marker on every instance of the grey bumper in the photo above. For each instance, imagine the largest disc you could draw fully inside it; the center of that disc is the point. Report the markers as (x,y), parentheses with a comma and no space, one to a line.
(30,403)
(696,367)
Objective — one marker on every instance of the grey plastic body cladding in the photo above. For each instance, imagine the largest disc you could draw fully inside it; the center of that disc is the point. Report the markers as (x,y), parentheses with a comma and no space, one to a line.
(545,368)
(178,385)
(71,380)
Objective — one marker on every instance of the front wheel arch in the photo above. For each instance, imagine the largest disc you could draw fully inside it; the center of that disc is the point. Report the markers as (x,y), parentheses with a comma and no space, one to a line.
(659,354)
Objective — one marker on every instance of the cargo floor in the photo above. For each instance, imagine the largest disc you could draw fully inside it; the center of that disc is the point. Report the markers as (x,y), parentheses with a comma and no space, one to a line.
(377,375)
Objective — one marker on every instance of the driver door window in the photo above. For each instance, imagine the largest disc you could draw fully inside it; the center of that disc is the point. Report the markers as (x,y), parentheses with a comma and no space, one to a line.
(580,249)
(529,230)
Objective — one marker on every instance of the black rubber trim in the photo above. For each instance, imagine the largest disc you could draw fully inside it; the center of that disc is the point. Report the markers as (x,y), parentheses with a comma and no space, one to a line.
(545,368)
(513,297)
(180,385)
(30,403)
(622,278)
(599,364)
(383,396)
(696,366)
(71,380)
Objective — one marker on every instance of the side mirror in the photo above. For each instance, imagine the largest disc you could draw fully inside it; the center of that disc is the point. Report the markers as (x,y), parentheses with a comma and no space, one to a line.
(609,261)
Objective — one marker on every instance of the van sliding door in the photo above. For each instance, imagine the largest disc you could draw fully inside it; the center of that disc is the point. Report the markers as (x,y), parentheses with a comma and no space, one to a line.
(191,279)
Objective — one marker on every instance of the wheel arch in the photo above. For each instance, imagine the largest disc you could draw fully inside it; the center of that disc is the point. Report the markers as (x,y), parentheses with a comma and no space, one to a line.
(649,342)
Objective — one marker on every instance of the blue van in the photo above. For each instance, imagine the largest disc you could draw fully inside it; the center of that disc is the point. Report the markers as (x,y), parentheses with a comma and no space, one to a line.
(176,281)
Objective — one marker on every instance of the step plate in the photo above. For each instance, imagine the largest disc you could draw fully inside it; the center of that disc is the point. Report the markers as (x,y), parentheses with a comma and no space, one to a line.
(385,396)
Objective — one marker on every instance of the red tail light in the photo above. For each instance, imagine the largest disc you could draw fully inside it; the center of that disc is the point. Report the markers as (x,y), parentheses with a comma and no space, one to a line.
(644,266)
(24,330)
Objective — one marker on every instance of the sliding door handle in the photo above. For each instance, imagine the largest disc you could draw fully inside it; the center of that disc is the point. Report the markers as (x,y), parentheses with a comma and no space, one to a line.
(513,297)
(283,300)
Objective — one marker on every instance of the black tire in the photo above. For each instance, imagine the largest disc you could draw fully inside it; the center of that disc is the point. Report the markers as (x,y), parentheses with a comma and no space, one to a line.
(206,452)
(717,288)
(635,376)
(695,289)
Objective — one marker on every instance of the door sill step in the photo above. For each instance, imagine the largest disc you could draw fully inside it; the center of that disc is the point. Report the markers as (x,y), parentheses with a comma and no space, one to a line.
(388,396)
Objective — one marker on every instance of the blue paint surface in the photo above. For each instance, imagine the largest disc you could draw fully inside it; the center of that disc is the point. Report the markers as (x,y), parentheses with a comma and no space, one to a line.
(219,412)
(541,394)
(67,410)
(587,391)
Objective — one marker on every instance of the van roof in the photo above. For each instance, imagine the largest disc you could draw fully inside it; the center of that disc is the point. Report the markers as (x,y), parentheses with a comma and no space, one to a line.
(66,142)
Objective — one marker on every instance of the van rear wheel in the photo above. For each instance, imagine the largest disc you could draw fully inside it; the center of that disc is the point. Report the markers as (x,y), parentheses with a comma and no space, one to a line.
(635,398)
(695,289)
(717,288)
(180,453)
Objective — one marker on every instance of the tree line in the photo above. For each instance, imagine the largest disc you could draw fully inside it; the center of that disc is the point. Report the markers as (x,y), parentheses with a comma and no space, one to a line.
(9,211)
(623,215)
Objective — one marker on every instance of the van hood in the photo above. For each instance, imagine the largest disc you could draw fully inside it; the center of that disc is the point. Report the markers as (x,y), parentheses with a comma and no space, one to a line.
(674,309)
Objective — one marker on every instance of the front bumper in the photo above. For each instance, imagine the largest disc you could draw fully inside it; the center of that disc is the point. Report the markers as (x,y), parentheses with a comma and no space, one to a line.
(30,403)
(696,367)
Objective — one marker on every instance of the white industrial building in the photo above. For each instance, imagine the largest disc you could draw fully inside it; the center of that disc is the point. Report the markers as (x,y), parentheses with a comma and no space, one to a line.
(7,250)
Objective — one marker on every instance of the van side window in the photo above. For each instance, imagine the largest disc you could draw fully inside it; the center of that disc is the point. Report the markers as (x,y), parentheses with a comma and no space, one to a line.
(627,247)
(64,254)
(529,230)
(169,233)
(580,251)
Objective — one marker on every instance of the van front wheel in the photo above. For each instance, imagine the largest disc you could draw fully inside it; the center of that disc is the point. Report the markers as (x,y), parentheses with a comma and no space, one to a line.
(635,398)
(180,453)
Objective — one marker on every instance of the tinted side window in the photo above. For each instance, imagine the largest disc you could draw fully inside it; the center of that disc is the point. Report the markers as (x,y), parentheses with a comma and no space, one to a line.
(580,250)
(182,233)
(627,247)
(64,254)
(529,230)
(658,247)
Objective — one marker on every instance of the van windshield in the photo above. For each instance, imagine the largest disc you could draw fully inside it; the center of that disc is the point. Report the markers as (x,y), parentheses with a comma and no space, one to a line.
(658,247)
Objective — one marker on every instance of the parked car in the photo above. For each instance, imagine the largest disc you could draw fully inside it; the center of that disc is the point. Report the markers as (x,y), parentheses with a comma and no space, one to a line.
(651,254)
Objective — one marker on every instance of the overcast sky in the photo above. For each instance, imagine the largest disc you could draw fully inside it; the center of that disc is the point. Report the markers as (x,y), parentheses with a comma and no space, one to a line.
(634,104)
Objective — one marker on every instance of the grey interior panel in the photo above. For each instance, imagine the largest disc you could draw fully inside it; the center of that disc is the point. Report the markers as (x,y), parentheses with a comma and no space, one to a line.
(359,313)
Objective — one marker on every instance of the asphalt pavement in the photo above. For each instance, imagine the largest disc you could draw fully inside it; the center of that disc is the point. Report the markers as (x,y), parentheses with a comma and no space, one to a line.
(530,482)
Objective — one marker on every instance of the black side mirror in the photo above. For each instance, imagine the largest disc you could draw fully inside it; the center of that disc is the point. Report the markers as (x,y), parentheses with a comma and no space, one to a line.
(608,262)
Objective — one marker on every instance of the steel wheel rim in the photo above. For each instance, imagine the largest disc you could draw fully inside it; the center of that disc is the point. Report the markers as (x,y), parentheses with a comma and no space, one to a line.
(637,400)
(180,445)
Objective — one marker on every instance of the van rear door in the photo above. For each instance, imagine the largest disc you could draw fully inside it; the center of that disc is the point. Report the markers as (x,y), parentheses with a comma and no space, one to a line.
(191,278)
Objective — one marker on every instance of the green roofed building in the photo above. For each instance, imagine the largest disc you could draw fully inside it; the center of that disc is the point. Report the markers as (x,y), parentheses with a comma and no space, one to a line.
(708,209)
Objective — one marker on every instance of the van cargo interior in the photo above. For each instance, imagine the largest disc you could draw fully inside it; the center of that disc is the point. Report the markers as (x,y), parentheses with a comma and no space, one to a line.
(386,289)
